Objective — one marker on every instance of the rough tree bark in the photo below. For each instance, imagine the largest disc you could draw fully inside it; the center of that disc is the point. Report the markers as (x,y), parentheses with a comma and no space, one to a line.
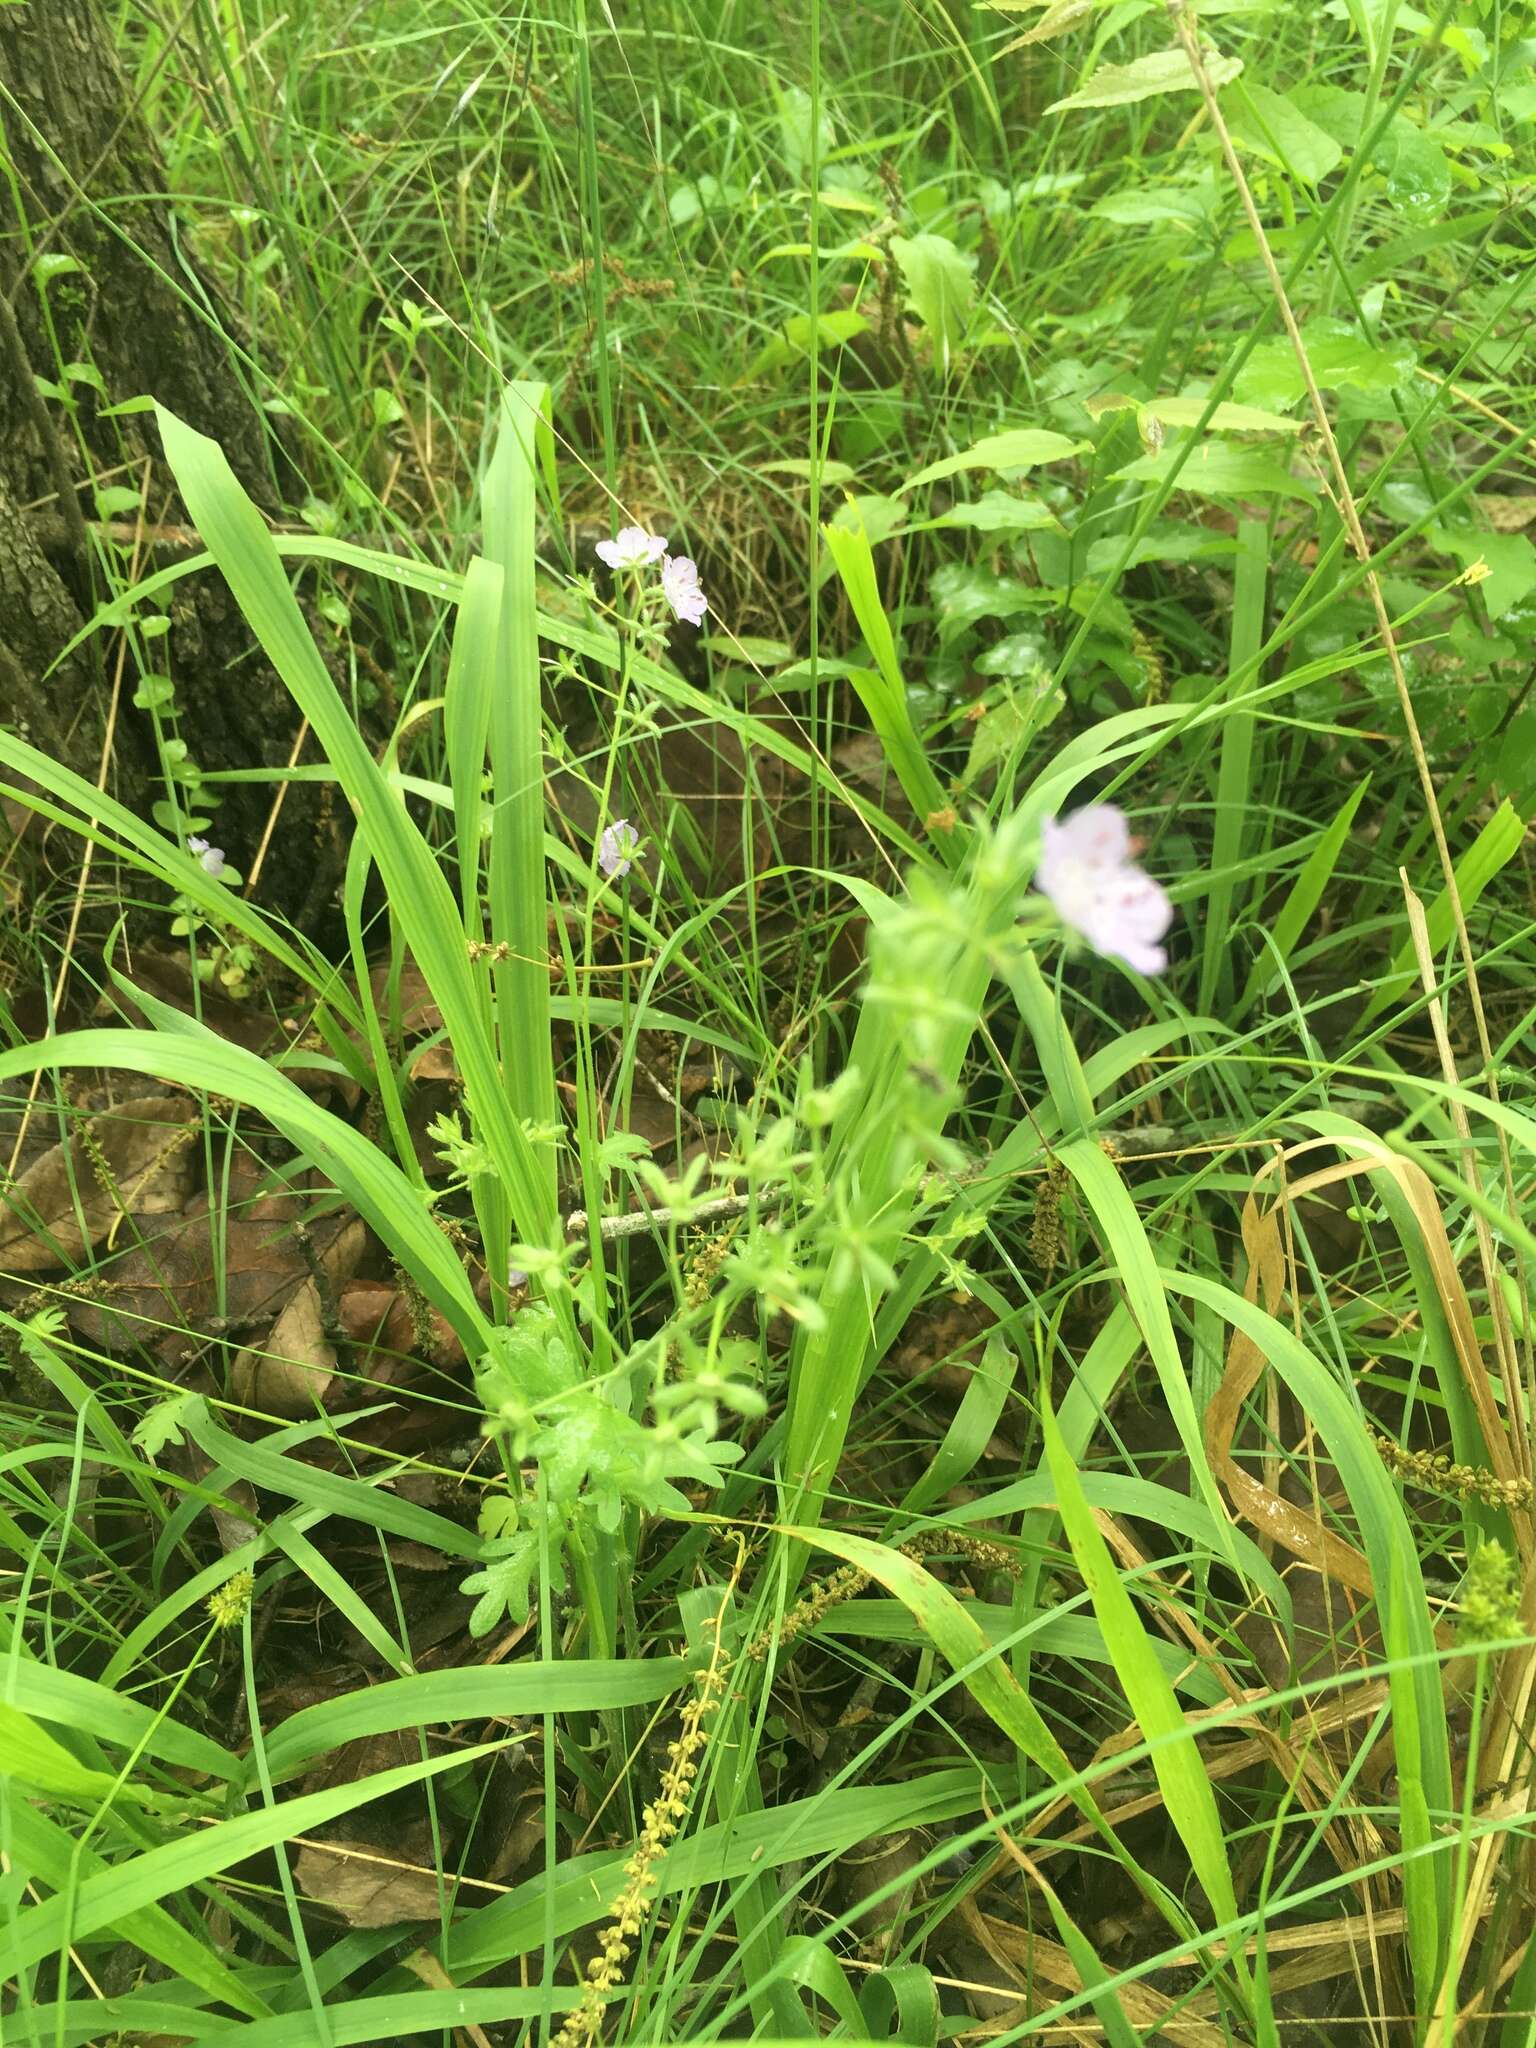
(100,298)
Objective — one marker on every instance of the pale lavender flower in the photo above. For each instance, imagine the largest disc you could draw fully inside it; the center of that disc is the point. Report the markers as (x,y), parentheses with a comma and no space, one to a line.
(618,849)
(209,858)
(633,548)
(680,587)
(1087,871)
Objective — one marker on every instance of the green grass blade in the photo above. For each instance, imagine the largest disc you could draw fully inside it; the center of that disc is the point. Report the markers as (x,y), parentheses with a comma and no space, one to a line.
(468,695)
(518,896)
(1135,1268)
(105,1899)
(418,893)
(1235,774)
(47,1852)
(883,692)
(1305,895)
(1492,850)
(1174,1754)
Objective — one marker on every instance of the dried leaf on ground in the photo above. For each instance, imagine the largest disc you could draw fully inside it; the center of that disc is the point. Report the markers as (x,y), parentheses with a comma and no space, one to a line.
(380,1871)
(365,1883)
(295,1369)
(136,1160)
(378,1318)
(196,1278)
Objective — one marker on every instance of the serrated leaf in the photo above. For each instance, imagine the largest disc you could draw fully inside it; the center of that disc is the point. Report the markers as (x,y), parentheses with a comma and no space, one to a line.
(999,512)
(505,1584)
(1121,85)
(1217,469)
(1226,419)
(940,289)
(1018,448)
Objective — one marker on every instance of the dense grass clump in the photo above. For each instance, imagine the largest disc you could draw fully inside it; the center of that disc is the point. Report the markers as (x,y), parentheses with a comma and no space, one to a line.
(843,1349)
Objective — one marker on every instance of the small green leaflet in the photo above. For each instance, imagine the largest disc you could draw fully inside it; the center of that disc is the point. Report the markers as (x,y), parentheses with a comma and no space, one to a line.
(163,1424)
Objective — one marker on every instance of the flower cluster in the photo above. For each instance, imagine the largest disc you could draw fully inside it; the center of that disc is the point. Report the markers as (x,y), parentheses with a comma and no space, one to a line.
(209,858)
(632,551)
(618,848)
(1088,872)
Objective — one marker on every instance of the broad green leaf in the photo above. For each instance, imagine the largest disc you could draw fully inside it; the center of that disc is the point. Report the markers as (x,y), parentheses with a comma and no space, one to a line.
(33,1757)
(373,1184)
(940,289)
(53,1856)
(1509,557)
(485,1692)
(799,335)
(1120,85)
(71,1701)
(827,1824)
(798,467)
(1417,169)
(352,1499)
(1266,123)
(107,1898)
(1338,354)
(1018,448)
(1219,469)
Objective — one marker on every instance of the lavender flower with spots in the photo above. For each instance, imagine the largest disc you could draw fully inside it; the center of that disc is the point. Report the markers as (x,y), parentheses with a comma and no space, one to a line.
(209,858)
(632,548)
(1087,871)
(618,849)
(680,587)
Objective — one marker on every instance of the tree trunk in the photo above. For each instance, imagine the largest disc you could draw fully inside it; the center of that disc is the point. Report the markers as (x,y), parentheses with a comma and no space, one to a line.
(100,303)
